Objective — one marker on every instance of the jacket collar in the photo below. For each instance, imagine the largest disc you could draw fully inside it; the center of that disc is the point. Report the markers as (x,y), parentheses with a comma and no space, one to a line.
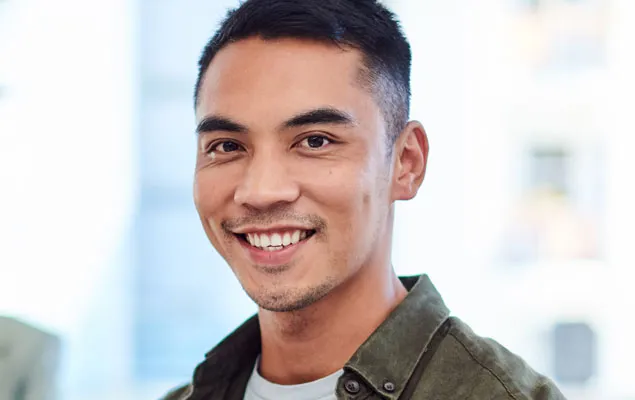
(236,352)
(390,354)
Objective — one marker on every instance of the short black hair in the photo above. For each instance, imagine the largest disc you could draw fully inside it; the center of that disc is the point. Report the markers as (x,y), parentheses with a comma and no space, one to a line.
(365,25)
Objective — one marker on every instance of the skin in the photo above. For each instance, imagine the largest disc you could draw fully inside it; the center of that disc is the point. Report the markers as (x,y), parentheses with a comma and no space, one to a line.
(335,177)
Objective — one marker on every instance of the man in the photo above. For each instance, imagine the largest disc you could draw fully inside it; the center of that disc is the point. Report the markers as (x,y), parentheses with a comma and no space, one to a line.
(29,358)
(304,146)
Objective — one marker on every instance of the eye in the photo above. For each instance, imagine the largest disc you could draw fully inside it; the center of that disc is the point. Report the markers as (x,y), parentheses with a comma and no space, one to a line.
(225,146)
(315,142)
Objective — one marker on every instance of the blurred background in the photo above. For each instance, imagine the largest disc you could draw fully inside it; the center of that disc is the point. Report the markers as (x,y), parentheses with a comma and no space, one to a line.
(524,221)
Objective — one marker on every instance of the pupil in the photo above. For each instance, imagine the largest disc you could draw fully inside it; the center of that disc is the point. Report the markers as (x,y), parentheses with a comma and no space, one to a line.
(316,141)
(229,147)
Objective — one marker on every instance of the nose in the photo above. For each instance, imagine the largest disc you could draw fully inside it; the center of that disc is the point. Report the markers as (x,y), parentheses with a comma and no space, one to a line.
(266,183)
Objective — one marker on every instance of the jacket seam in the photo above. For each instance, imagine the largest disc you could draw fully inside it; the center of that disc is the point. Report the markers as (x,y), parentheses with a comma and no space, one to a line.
(485,367)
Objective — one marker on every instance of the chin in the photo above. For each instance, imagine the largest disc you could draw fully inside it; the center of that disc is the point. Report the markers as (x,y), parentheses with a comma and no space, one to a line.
(280,299)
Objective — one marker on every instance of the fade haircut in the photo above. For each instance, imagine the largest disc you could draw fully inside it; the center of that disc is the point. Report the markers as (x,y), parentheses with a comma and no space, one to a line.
(364,25)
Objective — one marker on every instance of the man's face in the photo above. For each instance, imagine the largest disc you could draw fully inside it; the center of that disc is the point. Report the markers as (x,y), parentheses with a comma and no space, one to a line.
(292,175)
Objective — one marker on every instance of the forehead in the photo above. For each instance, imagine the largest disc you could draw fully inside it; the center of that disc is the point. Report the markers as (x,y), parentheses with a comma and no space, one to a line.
(275,78)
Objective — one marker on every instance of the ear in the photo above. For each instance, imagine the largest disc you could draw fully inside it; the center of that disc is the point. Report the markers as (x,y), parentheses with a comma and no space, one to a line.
(409,161)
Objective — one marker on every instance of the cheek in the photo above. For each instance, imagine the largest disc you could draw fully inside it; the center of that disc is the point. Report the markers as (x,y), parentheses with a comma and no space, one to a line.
(210,197)
(345,194)
(339,189)
(204,196)
(211,191)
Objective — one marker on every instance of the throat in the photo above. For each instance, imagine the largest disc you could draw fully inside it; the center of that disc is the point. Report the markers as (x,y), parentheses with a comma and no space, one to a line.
(298,347)
(316,341)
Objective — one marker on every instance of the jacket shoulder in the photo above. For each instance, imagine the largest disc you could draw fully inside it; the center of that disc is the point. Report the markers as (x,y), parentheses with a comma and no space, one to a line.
(180,393)
(514,378)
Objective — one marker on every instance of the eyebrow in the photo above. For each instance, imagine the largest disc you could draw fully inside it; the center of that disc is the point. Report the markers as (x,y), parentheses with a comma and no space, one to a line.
(217,123)
(323,115)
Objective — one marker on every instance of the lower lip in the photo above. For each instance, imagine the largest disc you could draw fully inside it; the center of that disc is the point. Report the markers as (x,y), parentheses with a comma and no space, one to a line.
(272,258)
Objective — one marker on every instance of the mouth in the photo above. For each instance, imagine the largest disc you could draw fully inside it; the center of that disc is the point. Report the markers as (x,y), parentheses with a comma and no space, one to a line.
(275,241)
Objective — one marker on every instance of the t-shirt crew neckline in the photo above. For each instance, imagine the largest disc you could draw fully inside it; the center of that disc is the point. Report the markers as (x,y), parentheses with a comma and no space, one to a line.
(258,388)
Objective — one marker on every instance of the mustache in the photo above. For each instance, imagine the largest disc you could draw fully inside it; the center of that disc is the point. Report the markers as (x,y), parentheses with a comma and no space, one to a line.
(272,216)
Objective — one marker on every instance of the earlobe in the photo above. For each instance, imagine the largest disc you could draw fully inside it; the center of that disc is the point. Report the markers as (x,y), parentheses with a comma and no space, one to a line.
(411,156)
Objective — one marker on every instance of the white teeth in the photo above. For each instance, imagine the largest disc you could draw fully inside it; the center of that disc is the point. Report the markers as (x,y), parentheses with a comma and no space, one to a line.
(264,240)
(286,239)
(295,237)
(275,241)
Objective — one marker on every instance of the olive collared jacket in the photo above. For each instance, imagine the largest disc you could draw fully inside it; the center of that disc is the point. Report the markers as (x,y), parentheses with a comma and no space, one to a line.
(418,352)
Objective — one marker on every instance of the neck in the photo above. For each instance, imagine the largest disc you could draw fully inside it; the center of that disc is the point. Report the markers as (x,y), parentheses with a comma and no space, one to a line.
(314,342)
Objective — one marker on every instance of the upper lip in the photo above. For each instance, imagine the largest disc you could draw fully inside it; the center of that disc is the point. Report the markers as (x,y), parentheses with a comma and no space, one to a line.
(269,228)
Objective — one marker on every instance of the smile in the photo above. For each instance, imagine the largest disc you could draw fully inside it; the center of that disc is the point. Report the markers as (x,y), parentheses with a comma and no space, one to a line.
(275,241)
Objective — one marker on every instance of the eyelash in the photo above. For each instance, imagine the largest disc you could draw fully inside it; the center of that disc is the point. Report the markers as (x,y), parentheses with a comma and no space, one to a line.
(210,148)
(328,139)
(214,145)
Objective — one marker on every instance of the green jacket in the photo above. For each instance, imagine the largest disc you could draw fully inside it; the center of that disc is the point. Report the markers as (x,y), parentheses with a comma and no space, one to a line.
(419,352)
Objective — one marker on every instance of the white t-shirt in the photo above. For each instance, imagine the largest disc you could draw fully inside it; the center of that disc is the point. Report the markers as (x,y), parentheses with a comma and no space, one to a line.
(258,388)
